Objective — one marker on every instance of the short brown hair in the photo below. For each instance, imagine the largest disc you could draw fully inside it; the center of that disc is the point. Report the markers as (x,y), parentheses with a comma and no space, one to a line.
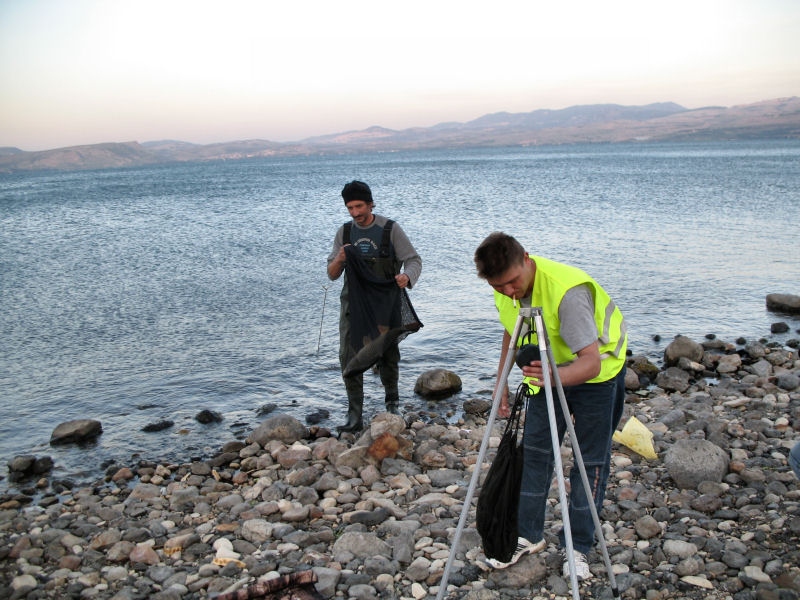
(496,254)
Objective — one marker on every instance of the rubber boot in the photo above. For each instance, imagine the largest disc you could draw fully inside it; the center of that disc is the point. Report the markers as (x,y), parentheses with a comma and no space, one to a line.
(355,405)
(393,404)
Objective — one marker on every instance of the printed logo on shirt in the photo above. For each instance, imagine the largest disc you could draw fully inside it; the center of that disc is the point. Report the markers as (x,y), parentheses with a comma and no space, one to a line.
(367,246)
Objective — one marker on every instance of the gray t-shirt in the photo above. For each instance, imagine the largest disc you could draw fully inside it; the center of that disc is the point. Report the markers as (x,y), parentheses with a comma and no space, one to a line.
(576,313)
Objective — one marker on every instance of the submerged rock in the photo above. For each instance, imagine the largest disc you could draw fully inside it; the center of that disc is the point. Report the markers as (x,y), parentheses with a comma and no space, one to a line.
(80,430)
(786,303)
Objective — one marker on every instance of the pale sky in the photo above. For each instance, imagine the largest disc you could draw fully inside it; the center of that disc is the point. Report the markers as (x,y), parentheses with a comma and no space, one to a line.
(90,71)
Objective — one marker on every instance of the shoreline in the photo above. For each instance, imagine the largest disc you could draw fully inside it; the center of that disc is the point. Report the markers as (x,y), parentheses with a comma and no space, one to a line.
(372,520)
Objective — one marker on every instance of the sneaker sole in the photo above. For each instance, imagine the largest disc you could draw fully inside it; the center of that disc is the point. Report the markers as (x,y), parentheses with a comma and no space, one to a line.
(533,549)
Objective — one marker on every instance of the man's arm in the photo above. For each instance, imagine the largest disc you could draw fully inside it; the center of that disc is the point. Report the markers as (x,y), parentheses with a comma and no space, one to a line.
(337,259)
(504,410)
(406,254)
(336,266)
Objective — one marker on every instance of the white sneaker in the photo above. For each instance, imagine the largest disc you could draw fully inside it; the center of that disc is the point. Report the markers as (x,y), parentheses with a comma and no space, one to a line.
(523,547)
(581,566)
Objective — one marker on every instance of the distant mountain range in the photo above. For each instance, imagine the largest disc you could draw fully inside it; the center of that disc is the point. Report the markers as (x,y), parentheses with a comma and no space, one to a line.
(597,123)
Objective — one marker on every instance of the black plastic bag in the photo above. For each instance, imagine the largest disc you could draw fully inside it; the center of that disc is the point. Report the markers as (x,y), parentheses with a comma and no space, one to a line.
(498,501)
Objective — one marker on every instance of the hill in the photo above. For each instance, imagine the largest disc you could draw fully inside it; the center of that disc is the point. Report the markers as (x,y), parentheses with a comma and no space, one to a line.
(598,123)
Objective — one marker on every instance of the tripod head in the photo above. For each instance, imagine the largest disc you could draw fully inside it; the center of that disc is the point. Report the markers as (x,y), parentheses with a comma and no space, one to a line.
(529,350)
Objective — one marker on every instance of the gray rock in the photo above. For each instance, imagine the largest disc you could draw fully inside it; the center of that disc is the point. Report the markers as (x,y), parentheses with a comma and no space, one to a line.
(280,427)
(474,406)
(679,548)
(673,379)
(632,382)
(361,544)
(760,368)
(647,527)
(682,346)
(437,383)
(690,462)
(642,366)
(419,569)
(729,363)
(257,531)
(375,565)
(327,579)
(787,381)
(779,327)
(80,430)
(786,303)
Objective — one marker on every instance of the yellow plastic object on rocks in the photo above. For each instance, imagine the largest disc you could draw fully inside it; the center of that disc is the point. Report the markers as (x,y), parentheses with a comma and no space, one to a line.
(636,436)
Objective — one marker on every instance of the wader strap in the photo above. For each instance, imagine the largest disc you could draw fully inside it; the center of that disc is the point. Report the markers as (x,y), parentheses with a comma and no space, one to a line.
(346,233)
(386,240)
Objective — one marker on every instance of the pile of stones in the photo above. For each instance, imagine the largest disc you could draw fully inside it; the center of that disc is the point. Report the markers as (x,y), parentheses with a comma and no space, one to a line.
(716,513)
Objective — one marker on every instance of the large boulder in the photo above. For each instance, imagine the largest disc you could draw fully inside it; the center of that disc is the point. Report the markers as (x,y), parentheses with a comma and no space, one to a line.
(75,432)
(685,347)
(785,303)
(284,428)
(437,383)
(690,462)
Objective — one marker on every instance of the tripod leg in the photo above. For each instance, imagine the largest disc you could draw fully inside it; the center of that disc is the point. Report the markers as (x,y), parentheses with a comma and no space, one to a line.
(476,473)
(562,488)
(590,497)
(548,358)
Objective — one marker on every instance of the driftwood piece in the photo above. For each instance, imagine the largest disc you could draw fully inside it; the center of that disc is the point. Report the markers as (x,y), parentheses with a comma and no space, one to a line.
(294,586)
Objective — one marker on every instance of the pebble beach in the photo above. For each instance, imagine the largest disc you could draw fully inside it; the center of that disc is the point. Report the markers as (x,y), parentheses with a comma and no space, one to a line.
(716,513)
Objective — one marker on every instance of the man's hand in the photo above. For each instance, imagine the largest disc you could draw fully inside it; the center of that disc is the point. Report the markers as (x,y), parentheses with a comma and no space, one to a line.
(402,280)
(336,266)
(585,367)
(504,410)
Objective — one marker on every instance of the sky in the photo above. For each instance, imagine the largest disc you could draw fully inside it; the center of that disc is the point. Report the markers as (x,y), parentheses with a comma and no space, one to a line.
(76,72)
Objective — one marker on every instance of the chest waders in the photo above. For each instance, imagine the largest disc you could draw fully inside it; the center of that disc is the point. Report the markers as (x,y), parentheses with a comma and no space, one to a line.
(384,265)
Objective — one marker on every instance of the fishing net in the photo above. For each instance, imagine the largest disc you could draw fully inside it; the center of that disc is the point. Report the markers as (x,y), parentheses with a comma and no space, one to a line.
(381,313)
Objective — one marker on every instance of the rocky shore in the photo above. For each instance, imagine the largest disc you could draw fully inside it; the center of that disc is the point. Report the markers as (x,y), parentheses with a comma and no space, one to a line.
(715,515)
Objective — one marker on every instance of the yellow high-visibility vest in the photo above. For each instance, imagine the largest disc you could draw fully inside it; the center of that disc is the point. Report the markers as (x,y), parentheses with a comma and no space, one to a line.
(551,282)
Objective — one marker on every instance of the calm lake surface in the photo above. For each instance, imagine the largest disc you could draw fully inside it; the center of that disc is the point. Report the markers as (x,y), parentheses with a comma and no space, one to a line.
(137,295)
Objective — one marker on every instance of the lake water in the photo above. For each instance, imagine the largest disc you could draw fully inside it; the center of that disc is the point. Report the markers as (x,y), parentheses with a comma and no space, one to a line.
(137,295)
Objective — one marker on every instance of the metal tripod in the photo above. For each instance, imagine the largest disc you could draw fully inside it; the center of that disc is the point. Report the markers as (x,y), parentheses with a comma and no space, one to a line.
(530,319)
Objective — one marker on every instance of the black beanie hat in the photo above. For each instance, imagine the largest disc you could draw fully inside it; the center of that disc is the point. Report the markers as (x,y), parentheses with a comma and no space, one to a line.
(357,190)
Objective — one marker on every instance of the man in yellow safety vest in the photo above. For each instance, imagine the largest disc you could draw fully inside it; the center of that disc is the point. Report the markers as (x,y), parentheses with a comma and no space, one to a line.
(587,335)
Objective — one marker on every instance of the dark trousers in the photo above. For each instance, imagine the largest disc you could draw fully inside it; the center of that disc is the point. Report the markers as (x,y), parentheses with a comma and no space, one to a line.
(596,409)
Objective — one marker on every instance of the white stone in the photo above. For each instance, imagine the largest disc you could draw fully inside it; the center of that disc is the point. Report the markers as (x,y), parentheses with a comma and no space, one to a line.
(423,542)
(619,568)
(418,591)
(621,461)
(679,548)
(23,582)
(222,544)
(698,581)
(755,573)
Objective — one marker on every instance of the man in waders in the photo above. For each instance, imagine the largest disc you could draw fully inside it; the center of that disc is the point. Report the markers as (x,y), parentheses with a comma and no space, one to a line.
(389,254)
